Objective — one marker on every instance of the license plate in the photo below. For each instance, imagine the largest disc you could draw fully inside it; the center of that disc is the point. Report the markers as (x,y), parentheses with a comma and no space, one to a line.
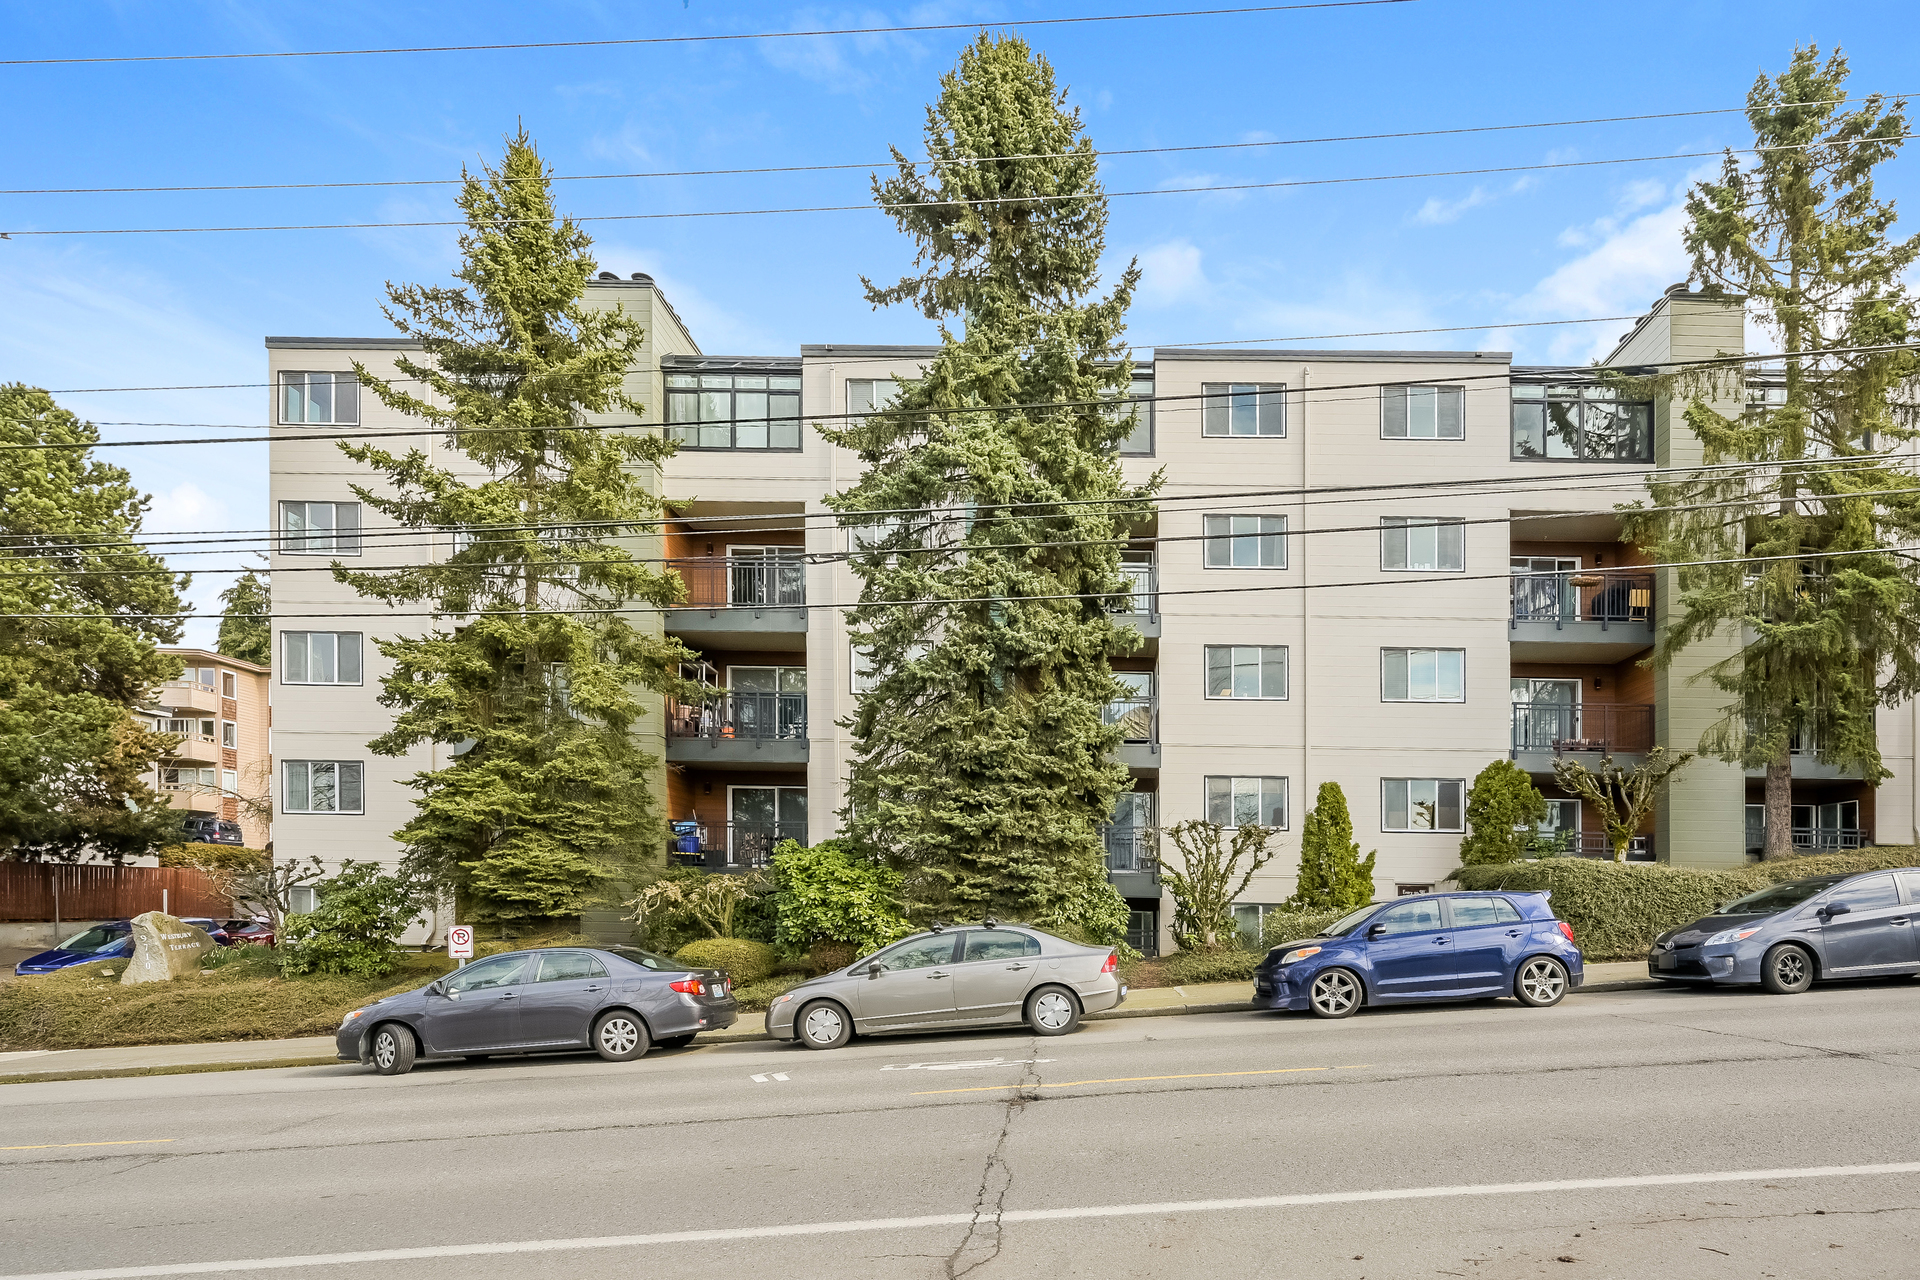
(1668,960)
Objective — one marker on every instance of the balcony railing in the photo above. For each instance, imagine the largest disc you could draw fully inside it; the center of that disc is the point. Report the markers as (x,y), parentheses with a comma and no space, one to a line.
(757,717)
(742,582)
(729,846)
(1596,727)
(1144,596)
(1132,849)
(1827,839)
(1595,844)
(1583,596)
(1138,718)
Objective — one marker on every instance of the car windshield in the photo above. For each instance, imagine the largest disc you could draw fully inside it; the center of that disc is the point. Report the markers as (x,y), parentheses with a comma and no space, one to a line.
(649,960)
(1777,897)
(1347,924)
(98,938)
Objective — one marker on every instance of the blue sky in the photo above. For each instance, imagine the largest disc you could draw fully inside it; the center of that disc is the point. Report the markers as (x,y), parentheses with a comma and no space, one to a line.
(1549,244)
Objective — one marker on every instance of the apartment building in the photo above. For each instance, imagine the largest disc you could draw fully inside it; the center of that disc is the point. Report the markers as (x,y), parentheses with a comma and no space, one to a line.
(1377,568)
(222,768)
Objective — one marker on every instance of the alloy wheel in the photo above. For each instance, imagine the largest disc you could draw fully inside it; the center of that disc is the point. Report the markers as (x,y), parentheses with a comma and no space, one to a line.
(1542,982)
(619,1035)
(1053,1010)
(1334,994)
(824,1024)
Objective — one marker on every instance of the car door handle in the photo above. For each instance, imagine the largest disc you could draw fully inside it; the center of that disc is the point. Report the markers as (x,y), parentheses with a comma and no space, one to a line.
(1441,942)
(509,995)
(594,987)
(1012,967)
(1513,933)
(1898,920)
(935,975)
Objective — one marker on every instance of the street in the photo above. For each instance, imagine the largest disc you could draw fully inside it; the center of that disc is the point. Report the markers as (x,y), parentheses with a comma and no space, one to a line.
(1020,1156)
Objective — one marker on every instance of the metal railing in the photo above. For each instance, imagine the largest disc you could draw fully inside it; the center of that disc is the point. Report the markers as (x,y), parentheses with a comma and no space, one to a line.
(1826,839)
(756,717)
(1595,844)
(1138,718)
(1583,596)
(1144,596)
(729,846)
(1596,727)
(1132,849)
(742,582)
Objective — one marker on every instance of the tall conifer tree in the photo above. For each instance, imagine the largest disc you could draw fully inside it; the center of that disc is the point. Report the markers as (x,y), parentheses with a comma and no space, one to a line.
(246,630)
(1800,234)
(984,765)
(548,799)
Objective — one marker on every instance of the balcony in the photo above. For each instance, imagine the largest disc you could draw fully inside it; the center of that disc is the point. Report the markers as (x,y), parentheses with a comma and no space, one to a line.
(742,602)
(729,846)
(764,730)
(1581,616)
(1139,721)
(1595,845)
(1133,861)
(193,744)
(1142,609)
(1543,731)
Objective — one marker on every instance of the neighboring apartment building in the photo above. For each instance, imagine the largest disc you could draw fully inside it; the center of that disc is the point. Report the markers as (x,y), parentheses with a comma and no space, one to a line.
(223,767)
(1380,568)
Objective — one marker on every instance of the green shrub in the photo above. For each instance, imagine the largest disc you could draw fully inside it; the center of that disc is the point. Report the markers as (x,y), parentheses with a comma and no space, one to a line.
(1212,966)
(756,997)
(744,961)
(1282,927)
(1503,809)
(222,857)
(362,910)
(831,893)
(1617,909)
(1333,875)
(1093,914)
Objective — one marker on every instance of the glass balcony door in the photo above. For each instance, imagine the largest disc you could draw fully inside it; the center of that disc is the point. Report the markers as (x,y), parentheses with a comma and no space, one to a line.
(761,817)
(1543,589)
(772,577)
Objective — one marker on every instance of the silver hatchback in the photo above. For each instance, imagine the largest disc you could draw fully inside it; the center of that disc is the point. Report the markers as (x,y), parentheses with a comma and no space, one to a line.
(955,977)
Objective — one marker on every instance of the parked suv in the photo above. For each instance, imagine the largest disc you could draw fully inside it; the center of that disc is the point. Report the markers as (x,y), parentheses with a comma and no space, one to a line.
(212,831)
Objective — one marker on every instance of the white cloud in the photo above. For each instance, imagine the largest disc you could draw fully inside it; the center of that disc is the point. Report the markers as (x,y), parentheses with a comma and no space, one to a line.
(1437,211)
(841,63)
(1170,273)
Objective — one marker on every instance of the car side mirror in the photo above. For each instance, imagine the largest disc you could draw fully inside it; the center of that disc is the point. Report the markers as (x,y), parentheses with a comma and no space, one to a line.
(1377,931)
(875,969)
(1836,909)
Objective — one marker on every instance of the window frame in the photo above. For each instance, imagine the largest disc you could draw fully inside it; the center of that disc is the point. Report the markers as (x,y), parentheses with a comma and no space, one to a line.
(1140,397)
(286,788)
(289,539)
(696,389)
(1404,390)
(230,735)
(1219,397)
(229,685)
(1208,541)
(1407,523)
(336,379)
(360,658)
(1460,806)
(1286,674)
(1286,796)
(1580,396)
(1410,650)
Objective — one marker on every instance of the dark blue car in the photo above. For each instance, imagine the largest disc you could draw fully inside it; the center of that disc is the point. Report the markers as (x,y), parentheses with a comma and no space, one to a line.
(1788,935)
(111,940)
(1440,946)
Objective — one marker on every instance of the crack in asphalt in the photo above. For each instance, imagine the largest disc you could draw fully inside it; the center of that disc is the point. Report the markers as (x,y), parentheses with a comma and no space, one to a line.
(996,1180)
(1822,1050)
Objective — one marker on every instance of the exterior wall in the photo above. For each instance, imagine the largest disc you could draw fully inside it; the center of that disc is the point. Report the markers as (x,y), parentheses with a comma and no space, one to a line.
(250,760)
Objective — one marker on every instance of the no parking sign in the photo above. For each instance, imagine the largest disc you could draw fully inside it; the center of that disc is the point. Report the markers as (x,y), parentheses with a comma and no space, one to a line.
(460,942)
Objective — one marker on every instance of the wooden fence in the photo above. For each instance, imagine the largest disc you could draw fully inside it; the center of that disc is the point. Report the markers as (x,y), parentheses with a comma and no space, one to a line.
(44,891)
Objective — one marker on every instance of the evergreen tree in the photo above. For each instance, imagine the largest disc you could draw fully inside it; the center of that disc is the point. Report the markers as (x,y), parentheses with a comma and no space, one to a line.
(983,764)
(246,626)
(75,764)
(550,802)
(1333,876)
(1503,809)
(1802,237)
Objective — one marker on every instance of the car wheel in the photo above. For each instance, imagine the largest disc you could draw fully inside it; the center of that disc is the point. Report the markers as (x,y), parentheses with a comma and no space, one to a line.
(1052,1011)
(1787,970)
(1541,982)
(675,1042)
(1334,994)
(619,1036)
(392,1050)
(823,1025)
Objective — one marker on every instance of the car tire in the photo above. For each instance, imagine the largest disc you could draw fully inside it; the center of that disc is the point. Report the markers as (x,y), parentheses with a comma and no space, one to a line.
(823,1025)
(1786,970)
(1541,982)
(675,1042)
(1052,1011)
(392,1049)
(1335,993)
(620,1036)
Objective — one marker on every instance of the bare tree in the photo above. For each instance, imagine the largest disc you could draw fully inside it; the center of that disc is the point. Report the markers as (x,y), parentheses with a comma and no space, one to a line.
(1624,798)
(1203,887)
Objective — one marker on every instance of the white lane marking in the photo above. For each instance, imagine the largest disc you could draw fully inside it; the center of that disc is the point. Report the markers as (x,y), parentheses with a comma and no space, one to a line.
(778,1075)
(965,1066)
(960,1219)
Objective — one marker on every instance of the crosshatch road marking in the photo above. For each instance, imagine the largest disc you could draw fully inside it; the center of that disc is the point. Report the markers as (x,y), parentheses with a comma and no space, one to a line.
(124,1142)
(1195,1075)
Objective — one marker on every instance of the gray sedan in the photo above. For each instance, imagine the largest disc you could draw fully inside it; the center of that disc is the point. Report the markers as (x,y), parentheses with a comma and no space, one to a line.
(953,977)
(617,1001)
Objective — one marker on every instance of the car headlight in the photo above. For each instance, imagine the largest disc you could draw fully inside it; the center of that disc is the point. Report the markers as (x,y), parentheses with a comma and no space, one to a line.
(1731,935)
(346,1021)
(1297,954)
(783,999)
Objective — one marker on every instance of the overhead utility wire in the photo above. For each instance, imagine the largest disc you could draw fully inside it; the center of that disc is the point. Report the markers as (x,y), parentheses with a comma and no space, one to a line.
(705,39)
(941,204)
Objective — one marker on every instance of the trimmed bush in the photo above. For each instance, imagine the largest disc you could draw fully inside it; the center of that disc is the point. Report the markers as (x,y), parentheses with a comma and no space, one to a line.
(351,932)
(745,962)
(1212,966)
(223,857)
(1617,909)
(1282,927)
(833,893)
(828,957)
(757,997)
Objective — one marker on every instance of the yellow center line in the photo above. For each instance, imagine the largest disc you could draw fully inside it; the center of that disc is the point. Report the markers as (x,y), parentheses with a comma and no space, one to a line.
(1196,1075)
(125,1142)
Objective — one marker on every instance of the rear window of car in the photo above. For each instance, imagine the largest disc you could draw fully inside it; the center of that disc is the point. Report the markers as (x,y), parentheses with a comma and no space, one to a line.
(649,960)
(1468,912)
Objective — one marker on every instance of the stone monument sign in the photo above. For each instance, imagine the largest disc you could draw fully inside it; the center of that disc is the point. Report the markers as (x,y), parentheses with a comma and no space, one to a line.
(165,947)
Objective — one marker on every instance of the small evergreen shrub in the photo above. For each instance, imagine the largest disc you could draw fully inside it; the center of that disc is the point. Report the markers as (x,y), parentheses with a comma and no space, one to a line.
(362,910)
(745,961)
(1503,810)
(832,893)
(1282,927)
(1333,875)
(1212,966)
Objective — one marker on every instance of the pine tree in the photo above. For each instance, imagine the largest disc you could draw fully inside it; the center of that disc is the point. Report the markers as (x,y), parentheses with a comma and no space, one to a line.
(550,802)
(983,763)
(1503,808)
(75,764)
(246,628)
(1333,876)
(1802,237)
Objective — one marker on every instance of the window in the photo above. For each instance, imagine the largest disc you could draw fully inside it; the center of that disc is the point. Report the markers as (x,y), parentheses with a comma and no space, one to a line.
(323,786)
(769,576)
(1422,413)
(1000,944)
(228,685)
(301,899)
(1243,409)
(864,675)
(1249,918)
(1139,441)
(1409,917)
(320,399)
(920,953)
(1244,542)
(320,657)
(230,781)
(172,779)
(1869,894)
(499,971)
(734,410)
(569,966)
(1579,424)
(320,528)
(1246,671)
(229,734)
(1421,804)
(1247,802)
(1423,675)
(1469,913)
(864,395)
(1423,543)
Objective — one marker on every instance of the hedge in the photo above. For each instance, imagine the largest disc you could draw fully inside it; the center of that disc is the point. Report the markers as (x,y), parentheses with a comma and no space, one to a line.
(1281,927)
(1212,966)
(745,962)
(1617,909)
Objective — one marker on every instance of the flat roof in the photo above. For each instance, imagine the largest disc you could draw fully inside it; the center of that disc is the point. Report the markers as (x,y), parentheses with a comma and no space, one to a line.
(1337,356)
(342,344)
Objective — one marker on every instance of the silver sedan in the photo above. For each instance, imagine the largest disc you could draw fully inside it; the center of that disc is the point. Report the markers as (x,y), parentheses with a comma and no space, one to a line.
(953,977)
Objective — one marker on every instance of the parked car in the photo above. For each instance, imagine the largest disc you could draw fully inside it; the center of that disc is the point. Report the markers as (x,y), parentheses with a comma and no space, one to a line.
(953,977)
(1441,946)
(617,1001)
(212,831)
(1790,935)
(259,932)
(109,940)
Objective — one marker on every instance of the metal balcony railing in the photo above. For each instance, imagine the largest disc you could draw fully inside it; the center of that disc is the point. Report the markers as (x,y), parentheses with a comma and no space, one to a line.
(1583,596)
(756,717)
(729,846)
(1594,844)
(1144,597)
(1132,849)
(1138,718)
(743,582)
(1828,839)
(1597,727)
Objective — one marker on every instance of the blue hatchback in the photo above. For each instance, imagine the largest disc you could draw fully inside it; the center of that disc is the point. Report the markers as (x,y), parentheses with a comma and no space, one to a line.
(111,940)
(1441,946)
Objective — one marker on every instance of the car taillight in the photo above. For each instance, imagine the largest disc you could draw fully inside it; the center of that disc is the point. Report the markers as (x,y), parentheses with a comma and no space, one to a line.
(689,986)
(1566,929)
(1113,962)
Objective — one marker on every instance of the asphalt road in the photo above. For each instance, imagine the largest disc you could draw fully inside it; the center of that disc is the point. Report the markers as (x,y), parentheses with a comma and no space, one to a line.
(1654,1133)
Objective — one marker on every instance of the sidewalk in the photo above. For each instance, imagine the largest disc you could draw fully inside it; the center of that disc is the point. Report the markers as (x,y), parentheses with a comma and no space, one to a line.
(242,1055)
